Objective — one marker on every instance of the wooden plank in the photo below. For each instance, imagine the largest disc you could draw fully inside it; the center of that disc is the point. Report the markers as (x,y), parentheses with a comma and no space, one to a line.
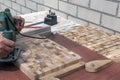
(41,58)
(97,65)
(53,78)
(65,71)
(95,39)
(110,73)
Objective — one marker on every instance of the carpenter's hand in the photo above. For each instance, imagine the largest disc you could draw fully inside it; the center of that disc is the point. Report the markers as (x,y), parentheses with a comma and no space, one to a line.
(6,46)
(19,25)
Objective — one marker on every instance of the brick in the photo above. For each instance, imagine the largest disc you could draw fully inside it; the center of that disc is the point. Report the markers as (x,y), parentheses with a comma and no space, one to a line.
(39,1)
(1,1)
(63,0)
(21,2)
(25,10)
(89,15)
(81,22)
(13,0)
(58,13)
(80,2)
(0,7)
(46,8)
(51,3)
(119,11)
(68,8)
(41,8)
(16,6)
(3,7)
(104,29)
(104,6)
(13,12)
(8,3)
(18,13)
(32,5)
(111,22)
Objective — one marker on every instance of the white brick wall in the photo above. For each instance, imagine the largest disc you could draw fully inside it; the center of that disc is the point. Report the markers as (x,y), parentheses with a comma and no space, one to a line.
(80,2)
(3,7)
(119,11)
(60,14)
(39,1)
(111,22)
(51,3)
(1,1)
(8,3)
(16,6)
(13,0)
(31,5)
(21,2)
(0,7)
(104,6)
(81,22)
(68,8)
(89,15)
(63,0)
(41,8)
(25,10)
(95,12)
(13,12)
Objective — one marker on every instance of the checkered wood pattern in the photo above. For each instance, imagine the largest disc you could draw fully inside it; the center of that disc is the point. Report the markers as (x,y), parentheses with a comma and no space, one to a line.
(42,59)
(95,39)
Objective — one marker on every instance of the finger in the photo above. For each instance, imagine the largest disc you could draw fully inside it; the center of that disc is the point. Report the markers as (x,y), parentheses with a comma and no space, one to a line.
(17,17)
(20,18)
(3,53)
(8,49)
(23,22)
(7,42)
(5,50)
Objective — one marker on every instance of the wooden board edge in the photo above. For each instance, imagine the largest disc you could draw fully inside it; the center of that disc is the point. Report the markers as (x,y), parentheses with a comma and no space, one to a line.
(64,71)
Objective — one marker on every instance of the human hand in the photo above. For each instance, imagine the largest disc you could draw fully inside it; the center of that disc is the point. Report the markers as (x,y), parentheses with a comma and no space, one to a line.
(6,46)
(19,25)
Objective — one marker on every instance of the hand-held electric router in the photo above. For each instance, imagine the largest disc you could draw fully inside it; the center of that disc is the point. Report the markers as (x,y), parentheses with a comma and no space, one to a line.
(7,27)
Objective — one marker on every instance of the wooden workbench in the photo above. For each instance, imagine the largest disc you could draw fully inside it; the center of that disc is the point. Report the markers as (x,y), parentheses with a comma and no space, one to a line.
(110,73)
(10,72)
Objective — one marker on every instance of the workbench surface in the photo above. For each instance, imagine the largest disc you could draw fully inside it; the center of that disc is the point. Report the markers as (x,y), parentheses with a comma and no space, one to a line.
(110,73)
(10,72)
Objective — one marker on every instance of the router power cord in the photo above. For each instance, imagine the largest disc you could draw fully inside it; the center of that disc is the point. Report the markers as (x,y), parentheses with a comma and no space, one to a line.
(42,37)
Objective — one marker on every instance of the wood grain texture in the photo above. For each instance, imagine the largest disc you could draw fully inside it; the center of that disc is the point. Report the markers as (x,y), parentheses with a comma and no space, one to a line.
(110,73)
(95,39)
(10,72)
(97,65)
(42,59)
